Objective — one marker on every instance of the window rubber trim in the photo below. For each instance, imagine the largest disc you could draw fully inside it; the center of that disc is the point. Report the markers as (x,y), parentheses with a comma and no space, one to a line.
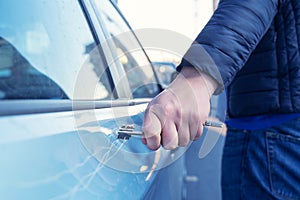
(97,41)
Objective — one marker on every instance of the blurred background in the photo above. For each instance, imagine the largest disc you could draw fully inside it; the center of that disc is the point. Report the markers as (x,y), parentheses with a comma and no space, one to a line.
(185,17)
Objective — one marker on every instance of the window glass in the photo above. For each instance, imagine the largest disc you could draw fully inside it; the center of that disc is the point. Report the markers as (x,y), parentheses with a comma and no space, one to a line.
(128,52)
(47,51)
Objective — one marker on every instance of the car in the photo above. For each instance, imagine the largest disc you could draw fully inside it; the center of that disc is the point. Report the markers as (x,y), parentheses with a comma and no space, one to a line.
(74,85)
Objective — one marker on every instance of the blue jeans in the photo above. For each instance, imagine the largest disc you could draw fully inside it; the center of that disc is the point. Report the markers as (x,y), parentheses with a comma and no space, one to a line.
(262,164)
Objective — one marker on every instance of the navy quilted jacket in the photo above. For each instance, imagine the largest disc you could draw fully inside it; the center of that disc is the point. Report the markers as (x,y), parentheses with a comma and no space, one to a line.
(253,47)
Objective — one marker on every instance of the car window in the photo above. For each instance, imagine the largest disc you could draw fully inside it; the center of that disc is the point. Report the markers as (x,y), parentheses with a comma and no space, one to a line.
(47,51)
(129,52)
(166,72)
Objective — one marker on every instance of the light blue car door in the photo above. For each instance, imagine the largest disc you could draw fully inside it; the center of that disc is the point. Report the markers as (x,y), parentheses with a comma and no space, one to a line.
(64,99)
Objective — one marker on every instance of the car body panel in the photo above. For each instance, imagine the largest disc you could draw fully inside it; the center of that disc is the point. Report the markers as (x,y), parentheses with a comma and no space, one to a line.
(66,155)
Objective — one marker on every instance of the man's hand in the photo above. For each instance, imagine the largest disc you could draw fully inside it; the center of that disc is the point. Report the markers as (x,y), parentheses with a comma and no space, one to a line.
(175,116)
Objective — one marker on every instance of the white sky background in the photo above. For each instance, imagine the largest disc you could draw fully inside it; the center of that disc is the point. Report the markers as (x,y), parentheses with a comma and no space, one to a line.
(186,17)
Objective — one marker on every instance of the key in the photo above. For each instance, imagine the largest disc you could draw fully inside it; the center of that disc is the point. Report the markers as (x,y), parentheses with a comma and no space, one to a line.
(126,131)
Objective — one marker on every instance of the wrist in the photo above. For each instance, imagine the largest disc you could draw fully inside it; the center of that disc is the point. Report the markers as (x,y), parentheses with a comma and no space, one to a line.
(198,79)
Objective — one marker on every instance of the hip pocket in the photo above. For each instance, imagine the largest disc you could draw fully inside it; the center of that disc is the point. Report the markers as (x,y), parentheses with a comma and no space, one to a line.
(284,165)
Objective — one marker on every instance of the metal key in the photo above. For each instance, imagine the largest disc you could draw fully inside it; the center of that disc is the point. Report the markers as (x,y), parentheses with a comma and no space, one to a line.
(126,131)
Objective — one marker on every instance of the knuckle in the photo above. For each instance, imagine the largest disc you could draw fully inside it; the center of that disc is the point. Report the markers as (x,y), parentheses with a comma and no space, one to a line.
(178,113)
(168,109)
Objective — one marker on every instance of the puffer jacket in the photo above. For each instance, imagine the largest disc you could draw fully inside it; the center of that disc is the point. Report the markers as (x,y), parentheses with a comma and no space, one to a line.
(253,48)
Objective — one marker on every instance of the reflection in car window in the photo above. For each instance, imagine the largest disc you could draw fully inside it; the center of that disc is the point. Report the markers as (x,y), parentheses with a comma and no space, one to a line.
(46,49)
(129,52)
(167,72)
(19,80)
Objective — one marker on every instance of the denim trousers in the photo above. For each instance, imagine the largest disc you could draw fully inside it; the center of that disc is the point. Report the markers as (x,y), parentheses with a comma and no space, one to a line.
(262,164)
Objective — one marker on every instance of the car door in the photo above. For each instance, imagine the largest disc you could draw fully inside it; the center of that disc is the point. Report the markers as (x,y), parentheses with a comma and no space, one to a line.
(64,97)
(169,169)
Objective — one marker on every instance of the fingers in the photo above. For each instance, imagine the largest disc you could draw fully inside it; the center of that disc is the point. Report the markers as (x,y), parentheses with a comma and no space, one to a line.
(195,128)
(152,126)
(169,135)
(198,132)
(161,129)
(183,134)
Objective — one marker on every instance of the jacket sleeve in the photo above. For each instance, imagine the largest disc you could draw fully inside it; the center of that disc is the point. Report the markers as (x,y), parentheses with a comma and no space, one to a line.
(226,42)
